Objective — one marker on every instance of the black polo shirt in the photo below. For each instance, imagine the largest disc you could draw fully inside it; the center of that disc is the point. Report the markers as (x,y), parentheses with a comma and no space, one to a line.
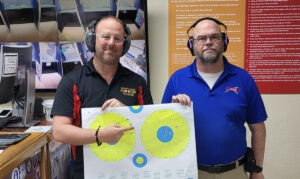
(93,91)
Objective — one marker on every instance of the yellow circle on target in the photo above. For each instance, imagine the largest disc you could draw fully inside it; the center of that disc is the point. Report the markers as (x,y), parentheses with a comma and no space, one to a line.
(116,151)
(165,134)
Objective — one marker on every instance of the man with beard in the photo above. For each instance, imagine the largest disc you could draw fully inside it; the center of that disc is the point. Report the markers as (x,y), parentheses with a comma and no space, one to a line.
(224,97)
(102,82)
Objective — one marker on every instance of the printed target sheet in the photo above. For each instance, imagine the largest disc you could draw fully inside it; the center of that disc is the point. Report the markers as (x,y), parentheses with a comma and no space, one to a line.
(161,145)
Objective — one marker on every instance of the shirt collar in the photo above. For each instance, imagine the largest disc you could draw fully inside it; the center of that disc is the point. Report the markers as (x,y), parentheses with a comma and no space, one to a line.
(91,69)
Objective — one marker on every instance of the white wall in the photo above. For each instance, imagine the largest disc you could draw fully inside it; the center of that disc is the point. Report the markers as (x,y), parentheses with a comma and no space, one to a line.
(283,132)
(158,46)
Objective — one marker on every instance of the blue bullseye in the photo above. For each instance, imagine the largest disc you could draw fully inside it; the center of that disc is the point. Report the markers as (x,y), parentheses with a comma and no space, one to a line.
(136,109)
(139,160)
(165,134)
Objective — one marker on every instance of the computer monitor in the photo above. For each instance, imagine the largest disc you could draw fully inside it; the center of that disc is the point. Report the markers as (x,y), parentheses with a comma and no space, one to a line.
(24,83)
(8,72)
(23,104)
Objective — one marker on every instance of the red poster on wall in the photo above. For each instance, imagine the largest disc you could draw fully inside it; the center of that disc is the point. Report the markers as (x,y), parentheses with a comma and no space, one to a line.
(272,45)
(264,38)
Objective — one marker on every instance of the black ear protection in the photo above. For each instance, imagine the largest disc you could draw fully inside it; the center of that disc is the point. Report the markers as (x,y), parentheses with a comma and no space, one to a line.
(90,38)
(190,42)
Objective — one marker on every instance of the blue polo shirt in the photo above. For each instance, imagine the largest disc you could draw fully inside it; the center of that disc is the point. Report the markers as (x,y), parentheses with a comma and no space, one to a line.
(221,112)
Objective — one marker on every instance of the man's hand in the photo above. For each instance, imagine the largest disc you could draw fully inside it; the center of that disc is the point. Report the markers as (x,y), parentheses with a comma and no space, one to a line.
(112,103)
(112,133)
(182,99)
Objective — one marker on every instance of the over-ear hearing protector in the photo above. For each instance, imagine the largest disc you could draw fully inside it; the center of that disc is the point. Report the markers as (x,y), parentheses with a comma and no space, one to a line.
(90,38)
(190,42)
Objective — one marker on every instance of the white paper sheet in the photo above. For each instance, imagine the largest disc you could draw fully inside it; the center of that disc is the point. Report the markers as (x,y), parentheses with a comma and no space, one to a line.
(162,144)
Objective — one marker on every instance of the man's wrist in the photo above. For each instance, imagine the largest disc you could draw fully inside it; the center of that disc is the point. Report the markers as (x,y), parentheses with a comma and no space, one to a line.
(258,169)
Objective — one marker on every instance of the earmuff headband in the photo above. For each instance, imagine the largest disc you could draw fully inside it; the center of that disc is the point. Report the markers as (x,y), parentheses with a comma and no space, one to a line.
(90,38)
(190,42)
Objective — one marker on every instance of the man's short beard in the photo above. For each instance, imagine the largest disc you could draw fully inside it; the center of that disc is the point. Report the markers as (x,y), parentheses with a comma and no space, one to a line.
(208,59)
(108,60)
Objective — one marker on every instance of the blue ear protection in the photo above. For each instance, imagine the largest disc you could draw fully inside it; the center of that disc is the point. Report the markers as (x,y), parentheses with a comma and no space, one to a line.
(190,42)
(90,38)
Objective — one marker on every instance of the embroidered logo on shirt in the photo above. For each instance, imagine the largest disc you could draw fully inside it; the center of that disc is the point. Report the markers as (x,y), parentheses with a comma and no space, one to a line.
(128,91)
(236,90)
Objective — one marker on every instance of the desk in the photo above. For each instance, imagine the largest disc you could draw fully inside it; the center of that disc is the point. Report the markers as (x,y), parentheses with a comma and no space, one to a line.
(57,154)
(16,154)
